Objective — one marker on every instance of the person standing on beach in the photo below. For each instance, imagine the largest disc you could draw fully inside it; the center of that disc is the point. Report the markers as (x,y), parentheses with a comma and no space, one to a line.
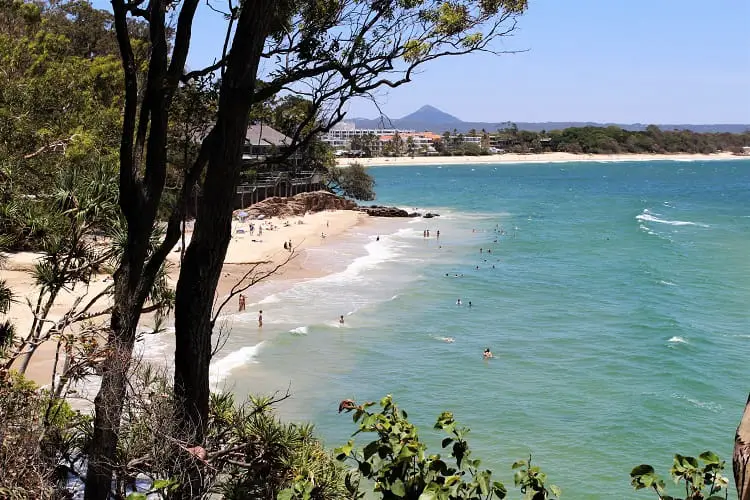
(341,319)
(260,319)
(437,234)
(290,245)
(285,246)
(241,305)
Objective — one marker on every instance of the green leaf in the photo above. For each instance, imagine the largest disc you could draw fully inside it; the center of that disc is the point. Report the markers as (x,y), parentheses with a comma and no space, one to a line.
(555,490)
(136,496)
(398,488)
(428,494)
(638,470)
(709,457)
(285,494)
(520,463)
(162,483)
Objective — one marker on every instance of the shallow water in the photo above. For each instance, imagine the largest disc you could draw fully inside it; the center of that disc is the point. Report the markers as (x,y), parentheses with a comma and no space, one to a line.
(614,296)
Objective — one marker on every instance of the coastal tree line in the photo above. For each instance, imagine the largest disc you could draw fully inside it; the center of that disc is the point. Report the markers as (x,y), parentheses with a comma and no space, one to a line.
(577,140)
(105,137)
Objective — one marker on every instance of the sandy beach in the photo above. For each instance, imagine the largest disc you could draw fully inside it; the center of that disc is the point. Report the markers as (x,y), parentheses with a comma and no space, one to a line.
(530,158)
(245,250)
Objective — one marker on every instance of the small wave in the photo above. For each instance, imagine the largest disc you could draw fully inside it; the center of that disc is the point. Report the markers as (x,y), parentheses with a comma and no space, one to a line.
(646,216)
(300,330)
(394,297)
(667,283)
(677,340)
(241,357)
(706,405)
(271,299)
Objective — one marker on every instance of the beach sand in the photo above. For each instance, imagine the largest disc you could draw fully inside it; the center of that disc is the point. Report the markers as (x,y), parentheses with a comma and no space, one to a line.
(529,158)
(244,251)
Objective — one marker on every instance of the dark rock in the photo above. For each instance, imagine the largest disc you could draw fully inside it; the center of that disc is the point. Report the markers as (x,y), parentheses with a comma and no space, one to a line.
(377,211)
(430,215)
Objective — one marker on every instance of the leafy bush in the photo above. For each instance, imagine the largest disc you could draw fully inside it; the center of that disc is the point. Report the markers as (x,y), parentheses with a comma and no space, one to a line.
(701,481)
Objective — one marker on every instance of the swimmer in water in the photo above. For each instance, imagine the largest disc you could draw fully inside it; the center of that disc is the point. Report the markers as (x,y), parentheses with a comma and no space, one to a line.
(449,340)
(458,302)
(341,319)
(487,353)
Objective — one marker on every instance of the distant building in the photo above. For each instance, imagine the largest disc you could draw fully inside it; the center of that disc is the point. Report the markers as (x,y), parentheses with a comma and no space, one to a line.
(262,141)
(341,135)
(424,142)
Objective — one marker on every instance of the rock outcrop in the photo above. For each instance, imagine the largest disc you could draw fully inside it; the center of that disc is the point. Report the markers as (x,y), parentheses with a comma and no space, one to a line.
(317,201)
(378,211)
(300,204)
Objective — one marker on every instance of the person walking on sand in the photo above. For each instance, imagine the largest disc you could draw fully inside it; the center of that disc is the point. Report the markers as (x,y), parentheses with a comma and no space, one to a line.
(290,245)
(260,319)
(241,305)
(285,246)
(437,233)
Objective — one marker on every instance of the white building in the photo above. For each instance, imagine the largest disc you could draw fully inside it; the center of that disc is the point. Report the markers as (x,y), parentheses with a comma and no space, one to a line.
(340,136)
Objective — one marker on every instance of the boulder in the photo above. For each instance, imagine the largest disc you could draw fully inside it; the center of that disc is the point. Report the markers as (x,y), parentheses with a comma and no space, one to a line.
(430,215)
(300,204)
(378,211)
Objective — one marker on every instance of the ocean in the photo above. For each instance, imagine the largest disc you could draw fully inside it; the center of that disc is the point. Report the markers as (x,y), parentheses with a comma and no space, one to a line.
(614,297)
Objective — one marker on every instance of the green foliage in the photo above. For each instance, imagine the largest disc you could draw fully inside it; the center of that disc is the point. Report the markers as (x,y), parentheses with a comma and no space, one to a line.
(352,181)
(532,481)
(702,477)
(33,447)
(398,465)
(60,100)
(275,455)
(614,140)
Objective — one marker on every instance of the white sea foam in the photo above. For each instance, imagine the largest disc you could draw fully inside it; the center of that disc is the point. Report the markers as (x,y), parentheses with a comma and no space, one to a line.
(647,216)
(241,357)
(271,299)
(667,283)
(300,330)
(706,405)
(677,340)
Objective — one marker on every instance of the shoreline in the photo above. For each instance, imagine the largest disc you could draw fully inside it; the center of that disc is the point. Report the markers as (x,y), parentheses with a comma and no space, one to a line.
(245,251)
(515,158)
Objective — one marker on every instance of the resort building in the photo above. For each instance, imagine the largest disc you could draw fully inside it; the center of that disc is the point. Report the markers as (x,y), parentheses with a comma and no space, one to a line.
(341,135)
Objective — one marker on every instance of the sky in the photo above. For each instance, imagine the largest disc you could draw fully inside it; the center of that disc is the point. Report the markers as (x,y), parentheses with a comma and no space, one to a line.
(622,61)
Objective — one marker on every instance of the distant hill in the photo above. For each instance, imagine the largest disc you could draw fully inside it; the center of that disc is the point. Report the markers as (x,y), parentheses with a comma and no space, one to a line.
(432,119)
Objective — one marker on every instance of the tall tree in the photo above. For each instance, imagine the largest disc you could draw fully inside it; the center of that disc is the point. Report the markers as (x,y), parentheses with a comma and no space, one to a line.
(326,52)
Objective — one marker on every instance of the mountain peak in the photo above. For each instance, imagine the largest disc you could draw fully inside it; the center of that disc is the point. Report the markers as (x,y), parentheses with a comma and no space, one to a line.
(431,114)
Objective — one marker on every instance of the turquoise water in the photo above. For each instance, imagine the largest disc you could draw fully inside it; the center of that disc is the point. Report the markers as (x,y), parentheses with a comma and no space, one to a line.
(617,310)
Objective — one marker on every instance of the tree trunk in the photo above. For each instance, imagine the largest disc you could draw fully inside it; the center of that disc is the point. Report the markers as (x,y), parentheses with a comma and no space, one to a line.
(205,255)
(111,396)
(741,456)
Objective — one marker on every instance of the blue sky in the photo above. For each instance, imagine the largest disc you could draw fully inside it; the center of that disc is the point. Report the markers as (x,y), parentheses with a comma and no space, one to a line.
(646,61)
